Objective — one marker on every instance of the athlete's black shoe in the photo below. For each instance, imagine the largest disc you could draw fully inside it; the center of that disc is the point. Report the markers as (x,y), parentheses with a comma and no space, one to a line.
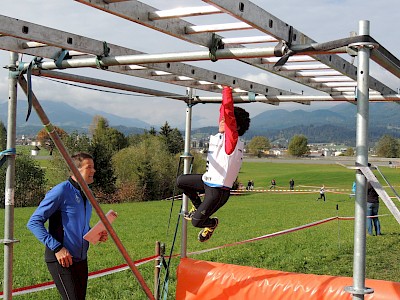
(189,215)
(206,233)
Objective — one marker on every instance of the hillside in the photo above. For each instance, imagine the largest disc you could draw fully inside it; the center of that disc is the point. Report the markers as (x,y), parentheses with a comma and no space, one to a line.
(65,116)
(381,115)
(337,124)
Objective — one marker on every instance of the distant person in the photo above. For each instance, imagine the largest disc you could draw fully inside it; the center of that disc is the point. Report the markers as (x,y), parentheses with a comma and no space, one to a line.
(273,184)
(252,185)
(291,184)
(353,190)
(372,211)
(68,213)
(248,185)
(321,193)
(224,159)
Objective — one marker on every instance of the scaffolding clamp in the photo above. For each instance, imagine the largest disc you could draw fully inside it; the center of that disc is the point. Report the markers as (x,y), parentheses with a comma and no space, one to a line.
(216,44)
(252,96)
(64,54)
(352,290)
(9,241)
(283,49)
(14,70)
(190,98)
(106,52)
(368,45)
(5,153)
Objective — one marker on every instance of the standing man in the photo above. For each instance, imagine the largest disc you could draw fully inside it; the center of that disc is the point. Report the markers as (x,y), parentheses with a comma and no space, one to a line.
(224,159)
(321,193)
(372,210)
(291,184)
(68,211)
(248,185)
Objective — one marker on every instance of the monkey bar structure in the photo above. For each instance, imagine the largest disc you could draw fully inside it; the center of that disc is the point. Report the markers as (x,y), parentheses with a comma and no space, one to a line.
(274,47)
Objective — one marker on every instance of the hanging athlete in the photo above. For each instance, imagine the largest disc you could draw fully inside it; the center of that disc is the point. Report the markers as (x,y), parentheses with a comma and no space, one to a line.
(224,159)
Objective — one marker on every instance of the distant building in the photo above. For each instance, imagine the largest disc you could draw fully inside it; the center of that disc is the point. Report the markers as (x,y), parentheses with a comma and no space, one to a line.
(275,151)
(35,151)
(338,153)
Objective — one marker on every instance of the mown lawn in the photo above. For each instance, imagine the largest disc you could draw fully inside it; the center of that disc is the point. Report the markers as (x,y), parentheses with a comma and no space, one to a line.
(324,249)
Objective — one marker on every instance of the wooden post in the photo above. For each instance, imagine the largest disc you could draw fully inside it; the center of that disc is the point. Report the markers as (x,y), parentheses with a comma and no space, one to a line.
(157,270)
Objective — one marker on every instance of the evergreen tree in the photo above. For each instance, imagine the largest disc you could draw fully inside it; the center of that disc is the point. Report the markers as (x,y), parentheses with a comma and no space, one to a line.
(106,142)
(172,138)
(165,130)
(3,137)
(147,179)
(110,137)
(153,131)
(104,178)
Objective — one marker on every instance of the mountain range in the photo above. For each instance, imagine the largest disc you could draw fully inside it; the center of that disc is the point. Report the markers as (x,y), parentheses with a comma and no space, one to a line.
(67,117)
(336,124)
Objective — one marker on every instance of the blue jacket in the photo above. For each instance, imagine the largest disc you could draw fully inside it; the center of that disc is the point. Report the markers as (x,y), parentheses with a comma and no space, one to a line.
(68,212)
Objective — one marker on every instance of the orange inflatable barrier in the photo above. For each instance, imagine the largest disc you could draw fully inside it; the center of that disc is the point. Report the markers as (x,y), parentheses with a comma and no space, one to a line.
(216,281)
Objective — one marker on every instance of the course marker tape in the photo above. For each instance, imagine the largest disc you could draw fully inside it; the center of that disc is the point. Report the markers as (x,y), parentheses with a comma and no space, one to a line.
(267,235)
(95,274)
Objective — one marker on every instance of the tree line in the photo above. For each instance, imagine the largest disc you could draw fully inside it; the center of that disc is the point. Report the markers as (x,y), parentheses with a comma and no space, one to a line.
(298,146)
(137,167)
(387,146)
(325,133)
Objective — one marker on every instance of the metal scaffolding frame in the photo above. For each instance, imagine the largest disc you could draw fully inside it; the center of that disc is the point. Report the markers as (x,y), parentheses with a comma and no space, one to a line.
(289,53)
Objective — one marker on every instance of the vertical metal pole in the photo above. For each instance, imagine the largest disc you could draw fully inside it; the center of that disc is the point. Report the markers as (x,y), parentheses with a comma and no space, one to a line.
(359,290)
(10,180)
(186,169)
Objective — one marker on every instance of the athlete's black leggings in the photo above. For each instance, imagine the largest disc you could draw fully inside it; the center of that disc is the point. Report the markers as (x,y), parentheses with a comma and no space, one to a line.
(71,282)
(214,198)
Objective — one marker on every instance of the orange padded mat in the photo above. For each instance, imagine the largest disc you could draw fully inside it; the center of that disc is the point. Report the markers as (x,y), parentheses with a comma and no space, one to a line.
(212,281)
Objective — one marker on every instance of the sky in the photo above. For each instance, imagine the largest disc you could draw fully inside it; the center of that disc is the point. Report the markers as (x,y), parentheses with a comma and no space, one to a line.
(322,20)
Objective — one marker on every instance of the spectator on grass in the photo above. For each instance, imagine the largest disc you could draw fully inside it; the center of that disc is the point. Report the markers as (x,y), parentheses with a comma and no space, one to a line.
(224,159)
(273,184)
(372,211)
(68,211)
(248,185)
(321,193)
(291,184)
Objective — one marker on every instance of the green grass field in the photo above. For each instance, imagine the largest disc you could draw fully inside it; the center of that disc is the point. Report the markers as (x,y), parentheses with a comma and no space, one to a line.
(324,249)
